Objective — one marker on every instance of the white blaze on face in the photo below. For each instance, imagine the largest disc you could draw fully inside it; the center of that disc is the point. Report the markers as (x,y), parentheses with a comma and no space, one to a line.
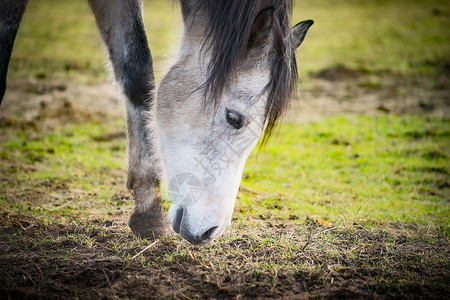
(203,155)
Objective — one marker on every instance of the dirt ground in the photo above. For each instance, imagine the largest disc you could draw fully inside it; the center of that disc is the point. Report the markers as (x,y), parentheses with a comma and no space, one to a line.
(55,261)
(102,260)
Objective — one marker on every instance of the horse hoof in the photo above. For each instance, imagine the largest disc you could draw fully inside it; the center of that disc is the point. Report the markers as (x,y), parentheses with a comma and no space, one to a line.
(149,225)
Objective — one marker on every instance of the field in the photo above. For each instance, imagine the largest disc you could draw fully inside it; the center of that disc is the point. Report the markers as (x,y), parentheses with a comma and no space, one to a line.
(349,199)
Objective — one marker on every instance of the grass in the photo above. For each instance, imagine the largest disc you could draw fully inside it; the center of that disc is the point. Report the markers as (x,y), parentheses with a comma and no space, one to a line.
(349,169)
(345,169)
(382,35)
(270,261)
(59,39)
(350,206)
(73,164)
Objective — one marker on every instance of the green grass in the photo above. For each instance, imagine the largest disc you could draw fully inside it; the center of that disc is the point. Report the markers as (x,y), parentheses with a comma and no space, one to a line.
(59,38)
(381,181)
(378,35)
(70,172)
(353,168)
(345,169)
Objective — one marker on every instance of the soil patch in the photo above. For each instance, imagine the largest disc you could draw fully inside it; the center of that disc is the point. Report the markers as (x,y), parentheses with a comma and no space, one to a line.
(340,90)
(54,103)
(336,90)
(103,260)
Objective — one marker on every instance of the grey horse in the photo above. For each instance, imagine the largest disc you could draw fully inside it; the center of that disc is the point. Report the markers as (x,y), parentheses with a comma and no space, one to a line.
(232,80)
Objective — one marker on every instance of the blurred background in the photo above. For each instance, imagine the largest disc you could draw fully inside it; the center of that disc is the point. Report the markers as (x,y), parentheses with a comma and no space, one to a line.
(59,38)
(374,101)
(360,165)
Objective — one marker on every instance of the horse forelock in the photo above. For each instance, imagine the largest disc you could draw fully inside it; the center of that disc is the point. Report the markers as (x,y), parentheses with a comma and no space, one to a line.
(226,37)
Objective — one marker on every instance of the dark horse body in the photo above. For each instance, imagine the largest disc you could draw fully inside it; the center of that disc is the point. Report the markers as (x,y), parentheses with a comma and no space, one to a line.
(233,79)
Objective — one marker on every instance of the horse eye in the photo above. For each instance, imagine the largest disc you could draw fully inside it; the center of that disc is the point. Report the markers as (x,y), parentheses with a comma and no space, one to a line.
(234,119)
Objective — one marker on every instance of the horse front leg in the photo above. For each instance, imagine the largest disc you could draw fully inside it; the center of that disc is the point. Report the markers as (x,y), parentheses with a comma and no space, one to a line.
(11,13)
(121,27)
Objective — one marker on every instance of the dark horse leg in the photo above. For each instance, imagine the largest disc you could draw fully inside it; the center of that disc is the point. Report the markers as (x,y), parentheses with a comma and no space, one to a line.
(11,13)
(121,27)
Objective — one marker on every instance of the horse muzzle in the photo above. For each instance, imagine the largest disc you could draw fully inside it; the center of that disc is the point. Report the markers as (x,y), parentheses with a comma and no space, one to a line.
(198,233)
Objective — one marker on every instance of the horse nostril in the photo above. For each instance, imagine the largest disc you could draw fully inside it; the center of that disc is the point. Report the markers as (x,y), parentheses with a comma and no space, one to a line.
(206,236)
(177,220)
(198,239)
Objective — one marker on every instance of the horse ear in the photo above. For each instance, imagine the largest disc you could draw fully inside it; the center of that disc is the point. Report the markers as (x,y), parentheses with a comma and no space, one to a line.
(261,26)
(299,32)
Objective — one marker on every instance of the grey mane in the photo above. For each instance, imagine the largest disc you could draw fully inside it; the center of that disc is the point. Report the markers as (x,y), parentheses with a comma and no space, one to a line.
(227,37)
